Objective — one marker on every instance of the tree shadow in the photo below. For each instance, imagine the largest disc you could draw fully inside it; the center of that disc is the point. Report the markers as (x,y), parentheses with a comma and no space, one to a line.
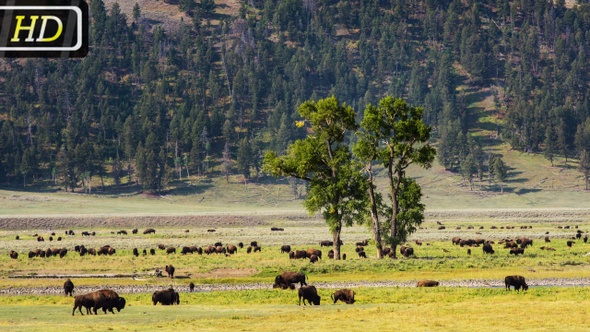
(523,191)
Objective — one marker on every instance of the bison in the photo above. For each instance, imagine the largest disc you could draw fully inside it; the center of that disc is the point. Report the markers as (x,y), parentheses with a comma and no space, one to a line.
(285,248)
(231,249)
(191,286)
(13,254)
(170,250)
(149,231)
(135,252)
(104,298)
(170,270)
(517,251)
(297,254)
(309,294)
(288,278)
(166,297)
(68,287)
(427,283)
(313,258)
(406,251)
(487,248)
(516,281)
(316,252)
(344,295)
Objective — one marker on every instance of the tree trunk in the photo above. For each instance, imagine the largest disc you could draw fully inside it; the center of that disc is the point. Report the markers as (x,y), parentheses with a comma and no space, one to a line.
(336,239)
(375,217)
(394,188)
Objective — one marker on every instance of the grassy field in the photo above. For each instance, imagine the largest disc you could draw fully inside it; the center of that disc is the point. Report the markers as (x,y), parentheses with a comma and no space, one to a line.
(408,309)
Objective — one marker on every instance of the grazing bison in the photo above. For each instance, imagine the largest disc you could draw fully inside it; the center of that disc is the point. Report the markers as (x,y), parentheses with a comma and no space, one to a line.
(285,248)
(104,298)
(231,249)
(487,248)
(406,251)
(326,243)
(170,270)
(297,254)
(287,278)
(220,250)
(363,243)
(191,286)
(456,240)
(316,252)
(186,250)
(134,231)
(517,251)
(362,254)
(309,294)
(570,243)
(331,254)
(135,252)
(166,297)
(427,283)
(516,281)
(149,231)
(122,232)
(170,250)
(313,258)
(345,295)
(152,251)
(68,287)
(13,254)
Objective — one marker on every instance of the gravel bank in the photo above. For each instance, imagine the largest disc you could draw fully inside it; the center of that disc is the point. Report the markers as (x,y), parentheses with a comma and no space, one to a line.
(554,282)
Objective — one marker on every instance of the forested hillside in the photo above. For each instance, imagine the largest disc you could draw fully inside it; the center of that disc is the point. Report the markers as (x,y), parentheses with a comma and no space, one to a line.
(208,96)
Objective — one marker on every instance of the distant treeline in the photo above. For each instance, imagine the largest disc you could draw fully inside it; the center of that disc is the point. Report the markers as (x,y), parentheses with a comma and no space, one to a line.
(147,106)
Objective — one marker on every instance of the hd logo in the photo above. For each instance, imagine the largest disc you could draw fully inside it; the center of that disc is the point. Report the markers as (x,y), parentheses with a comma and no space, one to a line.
(43,28)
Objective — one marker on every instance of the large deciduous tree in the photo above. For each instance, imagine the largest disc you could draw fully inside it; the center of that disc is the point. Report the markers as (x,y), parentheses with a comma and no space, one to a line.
(394,136)
(336,185)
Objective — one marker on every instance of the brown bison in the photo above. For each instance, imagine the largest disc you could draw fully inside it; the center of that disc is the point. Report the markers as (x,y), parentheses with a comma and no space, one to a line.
(135,252)
(68,287)
(149,231)
(487,248)
(170,250)
(297,254)
(170,270)
(285,248)
(104,298)
(344,295)
(406,251)
(516,281)
(326,243)
(517,251)
(313,258)
(13,254)
(231,249)
(427,283)
(191,286)
(288,278)
(166,297)
(316,252)
(309,294)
